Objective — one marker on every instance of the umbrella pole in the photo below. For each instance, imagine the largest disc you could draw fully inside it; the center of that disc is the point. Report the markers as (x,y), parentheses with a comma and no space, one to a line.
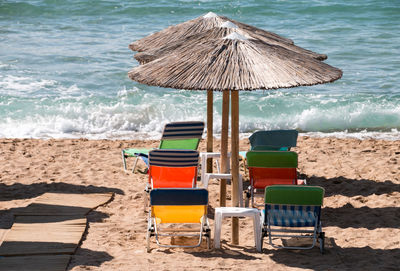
(224,146)
(209,128)
(235,162)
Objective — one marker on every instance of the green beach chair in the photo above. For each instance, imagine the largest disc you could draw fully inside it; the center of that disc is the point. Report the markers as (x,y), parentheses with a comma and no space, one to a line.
(269,168)
(293,211)
(176,135)
(273,140)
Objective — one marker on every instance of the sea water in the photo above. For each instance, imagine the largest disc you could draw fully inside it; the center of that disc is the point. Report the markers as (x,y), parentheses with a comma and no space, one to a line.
(64,65)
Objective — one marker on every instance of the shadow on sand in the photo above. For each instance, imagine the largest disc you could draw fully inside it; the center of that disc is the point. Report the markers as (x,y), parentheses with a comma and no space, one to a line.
(352,187)
(338,258)
(26,191)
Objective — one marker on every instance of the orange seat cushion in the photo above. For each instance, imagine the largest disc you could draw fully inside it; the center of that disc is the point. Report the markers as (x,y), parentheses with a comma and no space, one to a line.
(263,177)
(170,177)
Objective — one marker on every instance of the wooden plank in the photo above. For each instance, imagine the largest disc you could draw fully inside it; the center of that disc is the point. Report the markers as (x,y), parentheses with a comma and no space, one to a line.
(224,146)
(29,235)
(3,233)
(235,162)
(64,204)
(33,263)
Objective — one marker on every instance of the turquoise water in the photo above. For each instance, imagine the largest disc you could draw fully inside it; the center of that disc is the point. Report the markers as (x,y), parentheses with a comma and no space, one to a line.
(64,64)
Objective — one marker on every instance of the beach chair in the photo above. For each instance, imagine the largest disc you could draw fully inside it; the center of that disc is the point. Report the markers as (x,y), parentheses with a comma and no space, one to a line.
(178,207)
(273,140)
(269,168)
(176,135)
(170,168)
(293,211)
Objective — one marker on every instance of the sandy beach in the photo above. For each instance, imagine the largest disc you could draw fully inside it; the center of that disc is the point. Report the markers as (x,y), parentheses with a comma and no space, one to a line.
(361,214)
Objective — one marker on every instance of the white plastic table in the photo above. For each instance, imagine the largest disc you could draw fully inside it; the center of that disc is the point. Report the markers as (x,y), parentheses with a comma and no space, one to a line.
(203,160)
(221,212)
(205,177)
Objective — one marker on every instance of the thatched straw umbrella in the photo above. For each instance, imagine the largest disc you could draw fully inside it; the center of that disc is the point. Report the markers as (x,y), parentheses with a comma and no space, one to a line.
(169,39)
(231,64)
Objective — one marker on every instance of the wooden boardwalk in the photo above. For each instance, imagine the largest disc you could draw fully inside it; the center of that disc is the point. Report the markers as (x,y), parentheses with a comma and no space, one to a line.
(47,232)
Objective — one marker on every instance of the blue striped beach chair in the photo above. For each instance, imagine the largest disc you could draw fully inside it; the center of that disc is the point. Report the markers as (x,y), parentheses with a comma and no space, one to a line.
(169,168)
(174,208)
(176,135)
(293,211)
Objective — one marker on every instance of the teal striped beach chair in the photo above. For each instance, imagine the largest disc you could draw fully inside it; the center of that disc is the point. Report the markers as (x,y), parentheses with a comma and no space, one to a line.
(293,211)
(176,135)
(273,140)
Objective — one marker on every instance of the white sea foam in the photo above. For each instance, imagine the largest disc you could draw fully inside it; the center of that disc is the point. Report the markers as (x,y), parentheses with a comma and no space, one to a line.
(394,134)
(139,113)
(22,85)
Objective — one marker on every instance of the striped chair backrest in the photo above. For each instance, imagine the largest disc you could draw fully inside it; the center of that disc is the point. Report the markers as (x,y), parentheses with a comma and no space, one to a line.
(277,140)
(174,205)
(272,167)
(173,168)
(182,135)
(292,205)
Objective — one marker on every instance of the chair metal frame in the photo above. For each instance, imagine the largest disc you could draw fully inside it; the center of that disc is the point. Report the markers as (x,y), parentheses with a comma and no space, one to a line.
(285,231)
(154,229)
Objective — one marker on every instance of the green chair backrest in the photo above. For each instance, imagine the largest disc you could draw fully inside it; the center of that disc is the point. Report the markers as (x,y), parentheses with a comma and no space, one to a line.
(294,195)
(185,144)
(182,135)
(272,159)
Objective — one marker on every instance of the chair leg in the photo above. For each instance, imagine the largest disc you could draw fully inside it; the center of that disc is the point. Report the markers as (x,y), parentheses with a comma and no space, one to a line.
(146,201)
(321,239)
(149,232)
(148,235)
(134,165)
(123,159)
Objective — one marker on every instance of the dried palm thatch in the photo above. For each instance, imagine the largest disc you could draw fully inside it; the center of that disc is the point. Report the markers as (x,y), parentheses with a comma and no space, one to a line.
(198,25)
(214,33)
(234,63)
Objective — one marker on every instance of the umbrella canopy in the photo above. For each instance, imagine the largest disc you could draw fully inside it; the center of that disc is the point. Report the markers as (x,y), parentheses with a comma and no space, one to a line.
(178,33)
(221,31)
(234,63)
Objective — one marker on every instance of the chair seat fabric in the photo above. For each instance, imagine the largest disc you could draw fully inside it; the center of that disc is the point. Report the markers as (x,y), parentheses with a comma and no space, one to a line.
(136,152)
(292,215)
